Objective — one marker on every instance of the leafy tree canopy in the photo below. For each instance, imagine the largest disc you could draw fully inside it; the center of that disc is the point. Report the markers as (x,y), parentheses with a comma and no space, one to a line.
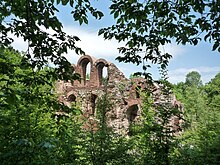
(146,25)
(143,25)
(193,79)
(32,19)
(213,90)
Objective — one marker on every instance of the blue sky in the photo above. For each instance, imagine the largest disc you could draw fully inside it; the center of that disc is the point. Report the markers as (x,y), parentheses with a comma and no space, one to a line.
(185,58)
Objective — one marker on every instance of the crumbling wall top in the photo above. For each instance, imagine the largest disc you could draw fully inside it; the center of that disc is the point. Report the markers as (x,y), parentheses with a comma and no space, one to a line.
(94,76)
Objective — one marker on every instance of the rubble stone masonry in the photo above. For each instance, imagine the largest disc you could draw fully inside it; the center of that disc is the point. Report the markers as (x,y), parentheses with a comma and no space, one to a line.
(122,92)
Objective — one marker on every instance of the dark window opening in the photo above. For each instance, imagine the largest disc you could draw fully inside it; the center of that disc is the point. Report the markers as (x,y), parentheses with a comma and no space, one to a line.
(132,113)
(72,98)
(93,103)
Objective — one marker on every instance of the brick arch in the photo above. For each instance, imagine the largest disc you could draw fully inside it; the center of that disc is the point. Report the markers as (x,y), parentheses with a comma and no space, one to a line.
(82,64)
(71,95)
(71,98)
(73,66)
(99,65)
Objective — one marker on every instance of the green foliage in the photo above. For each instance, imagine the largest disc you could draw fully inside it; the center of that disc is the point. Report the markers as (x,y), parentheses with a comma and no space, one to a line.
(213,91)
(143,25)
(103,146)
(87,76)
(24,114)
(105,80)
(154,136)
(146,25)
(30,133)
(193,79)
(31,20)
(33,130)
(134,76)
(200,140)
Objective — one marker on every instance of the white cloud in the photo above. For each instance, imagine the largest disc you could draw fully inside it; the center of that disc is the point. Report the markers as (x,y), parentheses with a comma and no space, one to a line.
(96,46)
(19,43)
(93,44)
(173,49)
(207,73)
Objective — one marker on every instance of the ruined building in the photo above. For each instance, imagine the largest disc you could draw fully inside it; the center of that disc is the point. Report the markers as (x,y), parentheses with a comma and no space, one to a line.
(122,92)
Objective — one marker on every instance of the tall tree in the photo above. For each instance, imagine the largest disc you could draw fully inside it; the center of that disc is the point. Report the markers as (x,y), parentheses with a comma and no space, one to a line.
(30,129)
(24,114)
(154,135)
(197,144)
(193,79)
(103,146)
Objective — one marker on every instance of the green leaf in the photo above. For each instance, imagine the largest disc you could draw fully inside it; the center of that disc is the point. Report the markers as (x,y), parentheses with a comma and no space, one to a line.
(58,2)
(116,14)
(71,3)
(64,2)
(80,21)
(215,46)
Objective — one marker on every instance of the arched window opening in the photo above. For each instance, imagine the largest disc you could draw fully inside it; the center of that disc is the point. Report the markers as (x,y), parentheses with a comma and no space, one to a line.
(93,103)
(102,73)
(86,68)
(132,113)
(72,98)
(137,91)
(104,79)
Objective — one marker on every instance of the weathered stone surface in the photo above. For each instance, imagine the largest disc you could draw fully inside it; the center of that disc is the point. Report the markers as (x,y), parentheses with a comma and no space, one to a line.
(122,92)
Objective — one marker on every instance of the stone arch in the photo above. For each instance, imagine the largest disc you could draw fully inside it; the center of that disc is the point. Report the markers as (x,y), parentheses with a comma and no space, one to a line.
(82,65)
(73,66)
(71,97)
(100,64)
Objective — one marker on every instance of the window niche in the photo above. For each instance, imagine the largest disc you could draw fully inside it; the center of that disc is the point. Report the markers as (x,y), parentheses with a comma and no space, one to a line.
(132,113)
(86,70)
(102,73)
(93,103)
(71,98)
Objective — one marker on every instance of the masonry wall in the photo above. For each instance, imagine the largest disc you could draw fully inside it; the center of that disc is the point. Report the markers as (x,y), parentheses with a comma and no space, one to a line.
(122,92)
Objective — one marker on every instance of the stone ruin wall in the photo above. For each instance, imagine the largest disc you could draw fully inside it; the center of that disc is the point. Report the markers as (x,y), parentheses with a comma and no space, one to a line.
(122,92)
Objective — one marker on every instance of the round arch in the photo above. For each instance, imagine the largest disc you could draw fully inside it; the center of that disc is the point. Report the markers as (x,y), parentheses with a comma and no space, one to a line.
(82,64)
(100,64)
(71,96)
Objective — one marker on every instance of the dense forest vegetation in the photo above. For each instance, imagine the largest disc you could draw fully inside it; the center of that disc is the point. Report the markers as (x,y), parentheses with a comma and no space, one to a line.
(31,132)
